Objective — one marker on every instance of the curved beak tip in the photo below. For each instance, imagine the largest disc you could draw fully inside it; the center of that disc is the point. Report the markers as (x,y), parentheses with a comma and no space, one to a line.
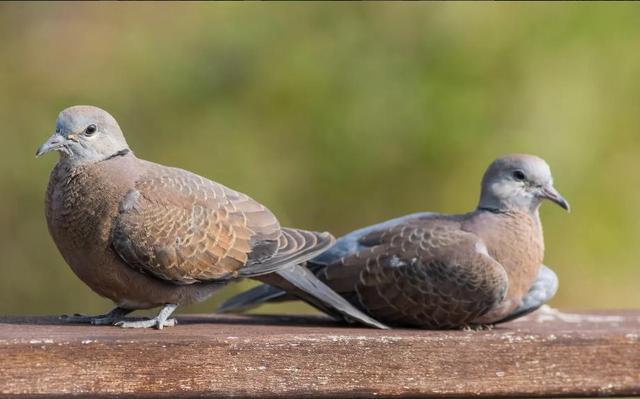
(553,195)
(53,143)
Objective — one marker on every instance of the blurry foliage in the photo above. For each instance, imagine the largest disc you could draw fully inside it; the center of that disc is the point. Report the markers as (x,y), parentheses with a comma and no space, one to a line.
(335,116)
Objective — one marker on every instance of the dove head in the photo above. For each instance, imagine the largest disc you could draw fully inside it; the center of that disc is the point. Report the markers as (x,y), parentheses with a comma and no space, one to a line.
(518,182)
(85,134)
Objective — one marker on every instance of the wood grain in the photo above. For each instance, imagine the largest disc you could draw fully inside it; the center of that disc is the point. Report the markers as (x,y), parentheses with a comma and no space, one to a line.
(546,354)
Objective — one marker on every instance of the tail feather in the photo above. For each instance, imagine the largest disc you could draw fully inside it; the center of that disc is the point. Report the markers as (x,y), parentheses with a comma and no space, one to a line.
(299,281)
(285,277)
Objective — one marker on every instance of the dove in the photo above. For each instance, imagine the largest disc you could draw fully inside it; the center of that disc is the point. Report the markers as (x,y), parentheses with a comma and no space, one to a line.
(437,271)
(146,235)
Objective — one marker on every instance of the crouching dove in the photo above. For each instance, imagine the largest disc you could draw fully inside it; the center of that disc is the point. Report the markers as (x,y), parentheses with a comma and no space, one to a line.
(446,271)
(146,235)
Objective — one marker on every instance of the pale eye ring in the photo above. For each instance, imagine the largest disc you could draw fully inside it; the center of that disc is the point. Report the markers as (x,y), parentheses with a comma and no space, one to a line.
(518,175)
(91,129)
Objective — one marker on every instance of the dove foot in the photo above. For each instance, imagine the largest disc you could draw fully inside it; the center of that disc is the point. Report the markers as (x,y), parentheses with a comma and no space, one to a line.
(112,317)
(147,323)
(159,322)
(478,327)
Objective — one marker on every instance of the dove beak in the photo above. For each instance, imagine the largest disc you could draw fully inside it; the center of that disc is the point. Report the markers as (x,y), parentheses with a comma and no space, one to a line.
(55,142)
(550,193)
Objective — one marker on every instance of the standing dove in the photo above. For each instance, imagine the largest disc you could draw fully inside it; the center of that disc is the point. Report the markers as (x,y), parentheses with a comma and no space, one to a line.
(146,235)
(438,271)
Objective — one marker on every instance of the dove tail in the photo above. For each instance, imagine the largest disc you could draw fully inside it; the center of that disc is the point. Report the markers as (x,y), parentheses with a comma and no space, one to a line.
(285,276)
(294,246)
(301,282)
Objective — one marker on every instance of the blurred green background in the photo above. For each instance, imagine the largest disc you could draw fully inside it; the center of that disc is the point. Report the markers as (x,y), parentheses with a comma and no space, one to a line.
(335,116)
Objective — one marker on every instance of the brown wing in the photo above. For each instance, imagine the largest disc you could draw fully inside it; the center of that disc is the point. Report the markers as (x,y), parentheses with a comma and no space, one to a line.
(425,273)
(184,228)
(294,246)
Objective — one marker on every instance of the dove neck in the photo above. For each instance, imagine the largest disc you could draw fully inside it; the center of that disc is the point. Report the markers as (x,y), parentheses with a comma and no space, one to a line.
(494,200)
(530,217)
(120,153)
(71,162)
(505,208)
(534,213)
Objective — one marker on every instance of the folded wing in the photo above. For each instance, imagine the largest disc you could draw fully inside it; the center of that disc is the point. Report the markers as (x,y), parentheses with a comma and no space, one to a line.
(184,228)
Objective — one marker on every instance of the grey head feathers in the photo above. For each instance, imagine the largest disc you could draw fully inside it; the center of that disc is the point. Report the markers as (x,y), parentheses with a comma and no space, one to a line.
(518,183)
(85,134)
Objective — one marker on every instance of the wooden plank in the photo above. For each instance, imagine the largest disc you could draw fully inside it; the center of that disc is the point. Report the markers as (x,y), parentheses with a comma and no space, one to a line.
(546,354)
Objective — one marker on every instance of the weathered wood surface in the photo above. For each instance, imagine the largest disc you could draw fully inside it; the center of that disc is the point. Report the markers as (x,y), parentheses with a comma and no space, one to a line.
(546,354)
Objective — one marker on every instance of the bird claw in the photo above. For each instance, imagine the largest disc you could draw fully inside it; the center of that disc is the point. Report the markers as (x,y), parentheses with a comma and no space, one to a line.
(155,323)
(116,317)
(159,322)
(478,327)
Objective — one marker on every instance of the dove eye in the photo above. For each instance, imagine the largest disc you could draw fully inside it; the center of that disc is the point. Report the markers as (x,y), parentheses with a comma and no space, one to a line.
(91,129)
(518,175)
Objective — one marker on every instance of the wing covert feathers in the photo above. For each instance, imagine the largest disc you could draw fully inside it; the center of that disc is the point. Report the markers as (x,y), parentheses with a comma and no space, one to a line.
(184,228)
